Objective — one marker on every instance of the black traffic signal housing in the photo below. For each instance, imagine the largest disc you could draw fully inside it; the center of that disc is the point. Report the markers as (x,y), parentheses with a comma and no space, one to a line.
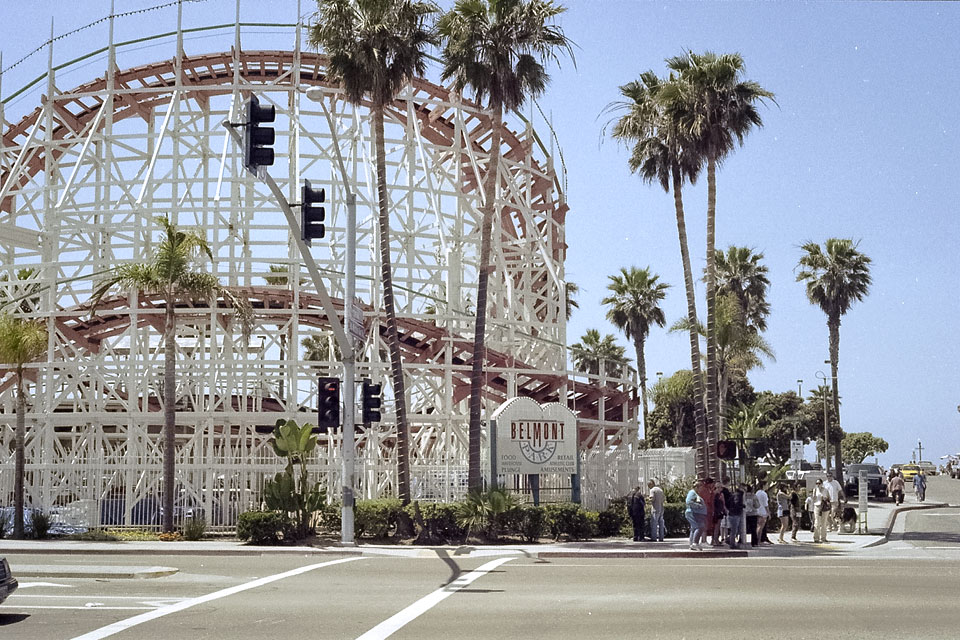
(312,213)
(328,404)
(257,139)
(727,450)
(371,401)
(758,449)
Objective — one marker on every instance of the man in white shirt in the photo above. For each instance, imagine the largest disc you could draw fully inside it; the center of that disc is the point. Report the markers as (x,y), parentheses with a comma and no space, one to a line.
(657,500)
(835,491)
(763,512)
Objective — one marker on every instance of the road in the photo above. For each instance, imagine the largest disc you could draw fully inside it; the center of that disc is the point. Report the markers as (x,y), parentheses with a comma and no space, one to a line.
(905,588)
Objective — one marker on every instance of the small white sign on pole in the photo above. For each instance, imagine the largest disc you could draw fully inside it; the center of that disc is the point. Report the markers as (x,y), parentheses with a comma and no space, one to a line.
(796,453)
(534,438)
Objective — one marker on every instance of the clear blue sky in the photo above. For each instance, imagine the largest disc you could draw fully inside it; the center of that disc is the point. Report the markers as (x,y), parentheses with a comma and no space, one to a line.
(863,144)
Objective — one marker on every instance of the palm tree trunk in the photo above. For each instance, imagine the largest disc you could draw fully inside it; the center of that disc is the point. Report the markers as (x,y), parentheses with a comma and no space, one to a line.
(722,404)
(169,412)
(483,278)
(833,323)
(389,307)
(642,372)
(702,460)
(20,471)
(712,402)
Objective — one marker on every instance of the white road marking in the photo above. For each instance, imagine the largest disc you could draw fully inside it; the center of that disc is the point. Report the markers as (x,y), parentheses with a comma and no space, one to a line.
(17,607)
(28,585)
(88,597)
(123,625)
(394,623)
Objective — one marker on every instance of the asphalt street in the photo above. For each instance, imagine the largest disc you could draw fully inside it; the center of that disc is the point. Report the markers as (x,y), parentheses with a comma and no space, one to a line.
(904,588)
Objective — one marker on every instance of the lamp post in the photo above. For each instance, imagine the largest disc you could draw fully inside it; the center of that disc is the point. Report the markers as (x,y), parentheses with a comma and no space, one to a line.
(920,451)
(826,424)
(799,395)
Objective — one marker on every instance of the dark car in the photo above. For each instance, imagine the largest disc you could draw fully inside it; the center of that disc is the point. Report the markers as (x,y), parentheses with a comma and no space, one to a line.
(851,480)
(8,584)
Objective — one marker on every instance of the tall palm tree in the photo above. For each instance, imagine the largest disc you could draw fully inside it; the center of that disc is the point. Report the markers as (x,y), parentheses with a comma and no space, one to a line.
(739,348)
(717,109)
(663,153)
(376,47)
(22,341)
(171,274)
(570,290)
(634,304)
(837,275)
(592,350)
(741,273)
(497,48)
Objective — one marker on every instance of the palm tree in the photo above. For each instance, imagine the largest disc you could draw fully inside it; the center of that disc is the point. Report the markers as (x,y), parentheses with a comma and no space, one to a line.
(663,153)
(741,273)
(170,274)
(634,304)
(592,350)
(837,276)
(717,109)
(21,341)
(497,48)
(739,348)
(23,293)
(570,291)
(376,47)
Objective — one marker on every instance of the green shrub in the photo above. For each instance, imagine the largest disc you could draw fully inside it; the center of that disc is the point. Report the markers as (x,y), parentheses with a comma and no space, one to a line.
(486,512)
(533,523)
(568,519)
(611,521)
(376,518)
(194,528)
(674,520)
(3,526)
(40,523)
(261,527)
(94,535)
(677,490)
(329,517)
(436,524)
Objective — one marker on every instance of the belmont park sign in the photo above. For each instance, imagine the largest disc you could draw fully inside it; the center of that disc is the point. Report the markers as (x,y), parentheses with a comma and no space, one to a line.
(532,438)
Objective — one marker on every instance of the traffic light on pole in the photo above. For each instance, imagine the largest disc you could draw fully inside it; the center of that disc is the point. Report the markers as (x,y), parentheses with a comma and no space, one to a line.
(312,213)
(727,450)
(328,404)
(372,401)
(257,138)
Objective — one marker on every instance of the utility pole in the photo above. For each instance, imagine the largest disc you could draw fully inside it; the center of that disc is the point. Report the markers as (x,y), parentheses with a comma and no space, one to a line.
(920,449)
(826,424)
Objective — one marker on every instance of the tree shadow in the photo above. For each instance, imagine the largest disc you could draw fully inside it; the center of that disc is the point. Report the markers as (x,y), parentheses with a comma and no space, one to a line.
(12,618)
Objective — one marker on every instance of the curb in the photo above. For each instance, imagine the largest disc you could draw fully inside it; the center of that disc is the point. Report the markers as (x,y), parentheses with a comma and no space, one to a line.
(59,571)
(891,521)
(643,554)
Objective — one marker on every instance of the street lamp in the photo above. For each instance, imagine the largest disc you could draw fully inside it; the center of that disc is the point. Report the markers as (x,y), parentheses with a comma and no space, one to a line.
(826,424)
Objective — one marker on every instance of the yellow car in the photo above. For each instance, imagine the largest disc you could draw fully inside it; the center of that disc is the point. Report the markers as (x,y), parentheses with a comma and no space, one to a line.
(908,471)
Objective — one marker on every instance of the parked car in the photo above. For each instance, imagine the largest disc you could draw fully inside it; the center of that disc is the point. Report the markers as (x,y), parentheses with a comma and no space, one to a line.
(928,467)
(8,584)
(805,468)
(908,471)
(851,480)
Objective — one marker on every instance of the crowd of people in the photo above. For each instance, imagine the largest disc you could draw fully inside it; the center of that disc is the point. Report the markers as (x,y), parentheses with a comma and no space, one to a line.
(724,512)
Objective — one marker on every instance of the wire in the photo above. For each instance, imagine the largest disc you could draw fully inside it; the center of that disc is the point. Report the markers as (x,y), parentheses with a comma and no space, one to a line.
(92,24)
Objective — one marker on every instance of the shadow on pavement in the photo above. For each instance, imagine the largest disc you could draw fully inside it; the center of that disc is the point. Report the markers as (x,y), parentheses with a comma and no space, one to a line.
(12,618)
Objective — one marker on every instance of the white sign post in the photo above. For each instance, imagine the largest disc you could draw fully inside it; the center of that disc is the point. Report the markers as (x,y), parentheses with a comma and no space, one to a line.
(796,453)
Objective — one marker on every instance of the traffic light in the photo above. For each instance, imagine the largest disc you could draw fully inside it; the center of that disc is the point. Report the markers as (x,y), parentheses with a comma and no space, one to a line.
(371,401)
(311,213)
(727,450)
(328,404)
(257,138)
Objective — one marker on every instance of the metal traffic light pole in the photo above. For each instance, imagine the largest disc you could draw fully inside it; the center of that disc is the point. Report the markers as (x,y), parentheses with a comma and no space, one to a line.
(348,455)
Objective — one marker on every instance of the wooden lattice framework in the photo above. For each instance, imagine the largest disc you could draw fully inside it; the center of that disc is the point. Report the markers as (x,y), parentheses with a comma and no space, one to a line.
(81,178)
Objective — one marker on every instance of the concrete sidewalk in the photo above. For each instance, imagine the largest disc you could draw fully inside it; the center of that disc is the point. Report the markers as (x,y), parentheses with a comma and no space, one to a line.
(882,518)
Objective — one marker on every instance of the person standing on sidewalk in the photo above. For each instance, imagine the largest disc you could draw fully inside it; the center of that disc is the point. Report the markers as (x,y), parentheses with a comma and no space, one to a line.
(783,510)
(795,512)
(920,486)
(734,501)
(636,509)
(821,511)
(657,500)
(696,515)
(750,512)
(763,513)
(836,495)
(897,486)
